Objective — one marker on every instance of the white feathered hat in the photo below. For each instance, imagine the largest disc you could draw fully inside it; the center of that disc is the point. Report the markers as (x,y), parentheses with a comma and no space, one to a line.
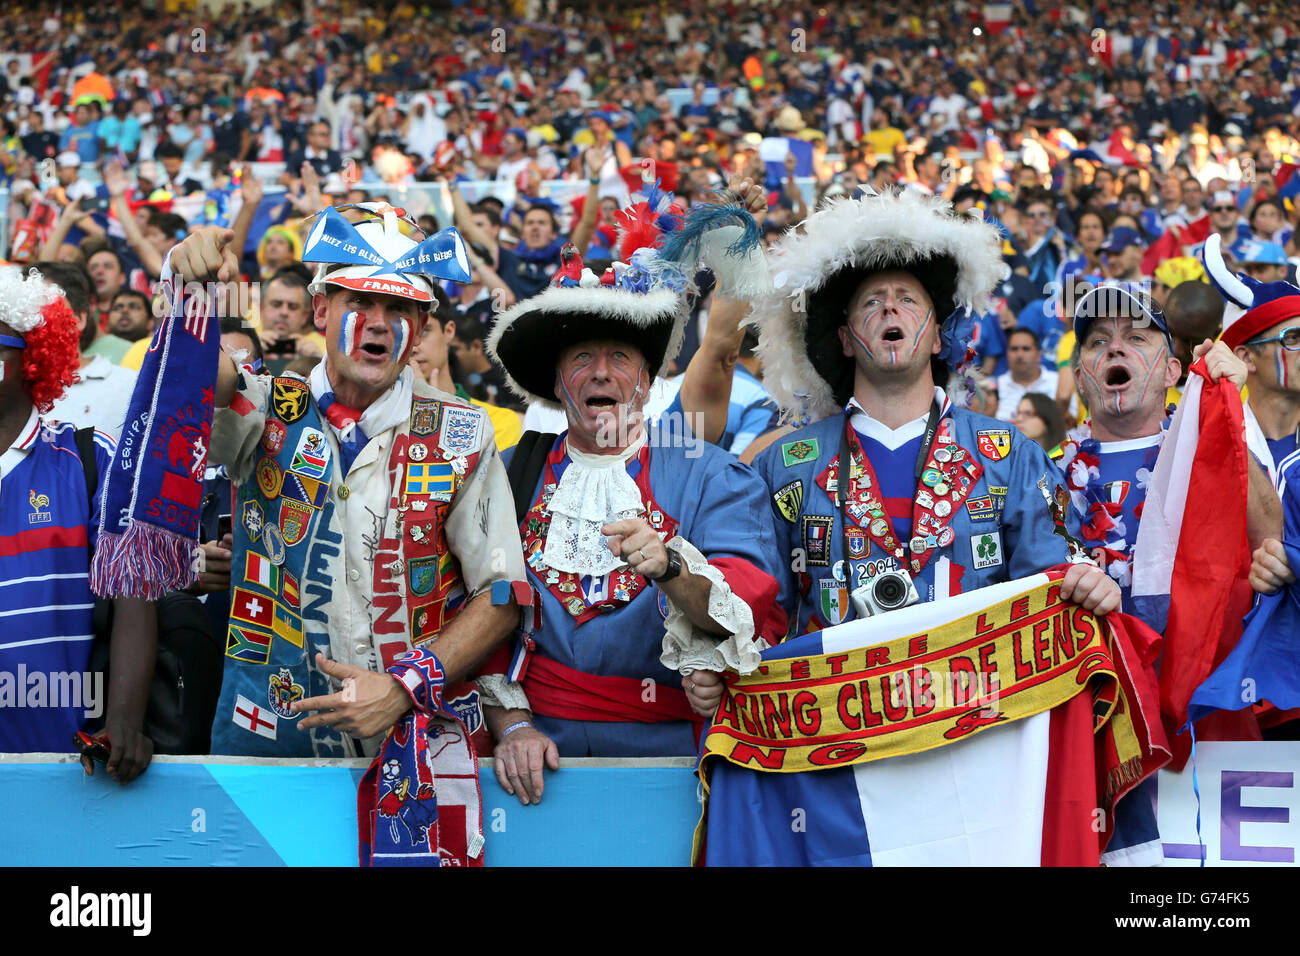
(957,258)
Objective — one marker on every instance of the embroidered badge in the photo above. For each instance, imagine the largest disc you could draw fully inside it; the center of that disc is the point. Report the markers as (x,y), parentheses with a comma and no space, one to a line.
(261,571)
(248,645)
(38,502)
(994,443)
(253,718)
(289,398)
(269,477)
(282,692)
(424,416)
(981,508)
(422,575)
(817,540)
(834,601)
(797,452)
(250,516)
(986,549)
(999,495)
(295,517)
(273,436)
(857,540)
(273,541)
(307,490)
(789,499)
(433,479)
(312,454)
(461,428)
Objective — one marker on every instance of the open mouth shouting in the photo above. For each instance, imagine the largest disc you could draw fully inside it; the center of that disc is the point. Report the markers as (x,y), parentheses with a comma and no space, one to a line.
(1118,378)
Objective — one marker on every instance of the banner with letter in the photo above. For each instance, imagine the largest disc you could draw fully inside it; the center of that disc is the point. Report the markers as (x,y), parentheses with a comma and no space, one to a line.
(856,709)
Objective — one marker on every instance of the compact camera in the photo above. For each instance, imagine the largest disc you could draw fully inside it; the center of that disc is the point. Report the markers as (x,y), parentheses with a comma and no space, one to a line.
(887,591)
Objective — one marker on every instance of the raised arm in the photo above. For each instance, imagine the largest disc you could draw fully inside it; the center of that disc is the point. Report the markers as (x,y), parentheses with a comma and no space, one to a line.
(115,180)
(251,189)
(464,217)
(593,159)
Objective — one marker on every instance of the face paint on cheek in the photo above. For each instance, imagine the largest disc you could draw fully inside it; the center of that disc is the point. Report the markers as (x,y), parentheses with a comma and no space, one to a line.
(401,340)
(1280,361)
(350,330)
(916,342)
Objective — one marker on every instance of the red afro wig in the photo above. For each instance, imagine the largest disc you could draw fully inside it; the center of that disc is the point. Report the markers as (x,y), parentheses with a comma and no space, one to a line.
(52,359)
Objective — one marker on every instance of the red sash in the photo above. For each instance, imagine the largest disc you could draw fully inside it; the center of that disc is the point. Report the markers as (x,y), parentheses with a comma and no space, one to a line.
(558,691)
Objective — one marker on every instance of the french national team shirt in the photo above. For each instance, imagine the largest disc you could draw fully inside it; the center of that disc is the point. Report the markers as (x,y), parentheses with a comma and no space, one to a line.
(47,532)
(1111,523)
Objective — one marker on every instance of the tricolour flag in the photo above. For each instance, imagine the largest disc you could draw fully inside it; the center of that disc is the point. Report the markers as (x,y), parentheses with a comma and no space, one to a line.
(1191,560)
(997,17)
(1265,664)
(260,571)
(971,740)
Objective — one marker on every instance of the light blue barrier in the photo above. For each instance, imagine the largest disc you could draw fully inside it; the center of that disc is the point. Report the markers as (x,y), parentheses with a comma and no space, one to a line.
(210,811)
(197,811)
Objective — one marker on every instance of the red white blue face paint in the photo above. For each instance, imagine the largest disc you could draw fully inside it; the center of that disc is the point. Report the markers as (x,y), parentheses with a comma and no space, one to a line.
(401,340)
(350,331)
(620,372)
(1279,358)
(1136,391)
(875,310)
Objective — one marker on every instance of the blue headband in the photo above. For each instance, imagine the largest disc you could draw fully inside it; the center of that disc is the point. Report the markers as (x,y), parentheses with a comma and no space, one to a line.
(12,342)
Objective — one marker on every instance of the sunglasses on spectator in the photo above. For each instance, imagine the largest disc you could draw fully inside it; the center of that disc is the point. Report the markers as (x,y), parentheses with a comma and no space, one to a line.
(406,225)
(1290,339)
(1041,214)
(1223,209)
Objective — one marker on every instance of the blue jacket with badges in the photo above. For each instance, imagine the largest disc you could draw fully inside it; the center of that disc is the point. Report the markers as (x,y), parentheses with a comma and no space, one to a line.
(995,524)
(600,640)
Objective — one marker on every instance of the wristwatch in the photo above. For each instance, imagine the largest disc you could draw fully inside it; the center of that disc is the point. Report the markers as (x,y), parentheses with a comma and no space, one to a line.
(674,566)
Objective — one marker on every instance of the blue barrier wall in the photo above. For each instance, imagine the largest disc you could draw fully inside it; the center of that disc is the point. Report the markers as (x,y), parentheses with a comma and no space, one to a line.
(188,811)
(201,811)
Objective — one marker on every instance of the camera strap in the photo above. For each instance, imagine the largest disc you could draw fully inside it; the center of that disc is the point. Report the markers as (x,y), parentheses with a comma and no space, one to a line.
(845,472)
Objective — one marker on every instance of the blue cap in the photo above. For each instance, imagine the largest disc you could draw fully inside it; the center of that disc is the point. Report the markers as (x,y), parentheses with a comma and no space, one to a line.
(1255,250)
(1116,300)
(1120,237)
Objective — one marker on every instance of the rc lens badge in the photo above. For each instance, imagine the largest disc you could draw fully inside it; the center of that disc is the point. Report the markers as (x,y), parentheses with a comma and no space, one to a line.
(994,443)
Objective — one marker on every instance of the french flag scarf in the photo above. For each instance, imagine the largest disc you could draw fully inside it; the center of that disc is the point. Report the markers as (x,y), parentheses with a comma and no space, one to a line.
(154,487)
(399,819)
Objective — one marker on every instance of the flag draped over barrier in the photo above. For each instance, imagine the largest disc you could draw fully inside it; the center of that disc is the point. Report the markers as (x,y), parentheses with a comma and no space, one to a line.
(991,732)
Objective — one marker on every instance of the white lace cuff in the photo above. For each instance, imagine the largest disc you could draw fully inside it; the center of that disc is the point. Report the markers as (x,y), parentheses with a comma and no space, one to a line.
(495,691)
(687,648)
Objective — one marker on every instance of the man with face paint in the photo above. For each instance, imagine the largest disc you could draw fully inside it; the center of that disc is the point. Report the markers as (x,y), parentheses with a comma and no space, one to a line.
(370,515)
(651,552)
(942,496)
(1123,363)
(872,300)
(1266,338)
